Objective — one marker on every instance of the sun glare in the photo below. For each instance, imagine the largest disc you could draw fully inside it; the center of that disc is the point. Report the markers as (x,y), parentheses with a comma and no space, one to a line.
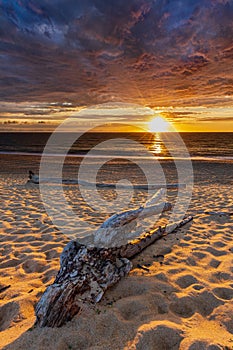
(158,124)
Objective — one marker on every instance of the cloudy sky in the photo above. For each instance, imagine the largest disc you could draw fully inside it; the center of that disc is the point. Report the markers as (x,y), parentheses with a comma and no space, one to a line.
(174,57)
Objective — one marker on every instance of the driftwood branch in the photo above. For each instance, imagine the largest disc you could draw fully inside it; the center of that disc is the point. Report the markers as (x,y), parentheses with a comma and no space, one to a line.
(85,274)
(33,178)
(120,228)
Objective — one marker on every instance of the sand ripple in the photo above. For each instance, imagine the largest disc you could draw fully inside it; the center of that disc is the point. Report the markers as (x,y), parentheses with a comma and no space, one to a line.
(183,301)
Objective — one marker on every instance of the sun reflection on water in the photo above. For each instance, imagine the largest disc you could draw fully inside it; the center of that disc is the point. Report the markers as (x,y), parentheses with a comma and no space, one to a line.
(157,145)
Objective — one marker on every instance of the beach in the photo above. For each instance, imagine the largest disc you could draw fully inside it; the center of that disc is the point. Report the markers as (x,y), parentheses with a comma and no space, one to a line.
(180,299)
(116,175)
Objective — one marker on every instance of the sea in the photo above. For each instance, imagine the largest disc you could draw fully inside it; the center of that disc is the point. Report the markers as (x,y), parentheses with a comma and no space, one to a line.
(200,146)
(115,156)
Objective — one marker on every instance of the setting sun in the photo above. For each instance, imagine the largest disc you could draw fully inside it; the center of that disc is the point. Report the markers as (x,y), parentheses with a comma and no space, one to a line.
(158,124)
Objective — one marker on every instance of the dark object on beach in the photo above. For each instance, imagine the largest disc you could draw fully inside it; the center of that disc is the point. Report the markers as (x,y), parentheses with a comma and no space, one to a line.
(4,288)
(33,178)
(173,186)
(31,174)
(86,273)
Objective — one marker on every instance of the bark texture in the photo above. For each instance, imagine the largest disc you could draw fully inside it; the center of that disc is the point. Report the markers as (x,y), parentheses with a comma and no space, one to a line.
(85,274)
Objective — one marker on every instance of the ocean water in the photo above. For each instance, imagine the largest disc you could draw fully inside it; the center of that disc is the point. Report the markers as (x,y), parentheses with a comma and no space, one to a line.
(118,156)
(205,146)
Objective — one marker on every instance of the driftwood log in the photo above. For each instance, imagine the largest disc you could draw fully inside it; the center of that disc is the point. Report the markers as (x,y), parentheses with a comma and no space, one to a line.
(85,274)
(33,178)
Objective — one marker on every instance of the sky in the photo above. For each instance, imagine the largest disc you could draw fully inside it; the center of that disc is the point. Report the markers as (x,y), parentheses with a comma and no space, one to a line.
(172,58)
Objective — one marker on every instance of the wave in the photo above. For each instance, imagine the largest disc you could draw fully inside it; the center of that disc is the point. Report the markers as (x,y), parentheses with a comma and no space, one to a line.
(127,156)
(212,158)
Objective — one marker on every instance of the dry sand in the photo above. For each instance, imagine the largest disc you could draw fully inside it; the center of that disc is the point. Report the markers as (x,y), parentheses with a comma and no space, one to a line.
(182,301)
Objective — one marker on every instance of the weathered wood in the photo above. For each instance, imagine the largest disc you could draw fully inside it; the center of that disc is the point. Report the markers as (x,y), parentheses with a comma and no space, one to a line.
(135,247)
(36,180)
(156,198)
(85,274)
(120,228)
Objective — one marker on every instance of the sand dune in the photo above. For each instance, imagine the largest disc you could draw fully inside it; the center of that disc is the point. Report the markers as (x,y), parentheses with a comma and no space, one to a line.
(181,299)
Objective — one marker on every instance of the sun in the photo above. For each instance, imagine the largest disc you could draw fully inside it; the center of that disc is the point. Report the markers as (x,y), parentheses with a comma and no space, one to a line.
(158,124)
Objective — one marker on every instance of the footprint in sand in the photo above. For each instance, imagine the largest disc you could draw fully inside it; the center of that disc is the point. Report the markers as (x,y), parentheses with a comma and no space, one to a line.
(186,281)
(49,276)
(153,336)
(8,314)
(215,263)
(223,293)
(131,308)
(183,307)
(221,276)
(199,255)
(203,303)
(219,244)
(200,345)
(34,265)
(215,252)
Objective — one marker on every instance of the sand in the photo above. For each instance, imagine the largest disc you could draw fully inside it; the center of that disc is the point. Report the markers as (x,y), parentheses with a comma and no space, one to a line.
(182,300)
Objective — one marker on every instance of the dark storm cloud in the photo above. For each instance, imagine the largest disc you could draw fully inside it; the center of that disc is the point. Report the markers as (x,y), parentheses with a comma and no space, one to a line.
(92,51)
